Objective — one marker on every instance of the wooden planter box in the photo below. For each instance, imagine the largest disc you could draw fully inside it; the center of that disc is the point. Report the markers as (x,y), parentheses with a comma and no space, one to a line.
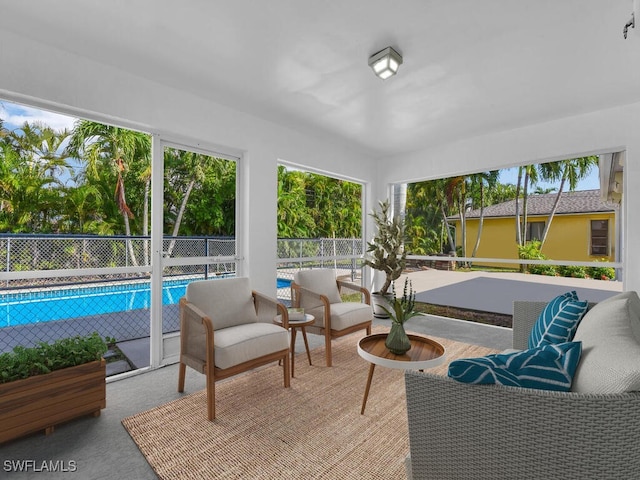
(43,401)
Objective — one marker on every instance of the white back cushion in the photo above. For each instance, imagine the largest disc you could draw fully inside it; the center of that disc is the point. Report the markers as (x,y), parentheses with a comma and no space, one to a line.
(610,336)
(320,281)
(226,301)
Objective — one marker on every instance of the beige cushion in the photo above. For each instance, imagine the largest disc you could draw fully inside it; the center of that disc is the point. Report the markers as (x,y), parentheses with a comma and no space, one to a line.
(241,343)
(610,336)
(344,315)
(226,301)
(320,281)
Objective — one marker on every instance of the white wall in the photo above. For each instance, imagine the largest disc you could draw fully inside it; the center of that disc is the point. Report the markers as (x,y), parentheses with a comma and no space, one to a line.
(44,77)
(610,130)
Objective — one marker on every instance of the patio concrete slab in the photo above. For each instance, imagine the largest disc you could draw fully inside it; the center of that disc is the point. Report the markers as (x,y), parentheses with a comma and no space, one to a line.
(496,292)
(137,351)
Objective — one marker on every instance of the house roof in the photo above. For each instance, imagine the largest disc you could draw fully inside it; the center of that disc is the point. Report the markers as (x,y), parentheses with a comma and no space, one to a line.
(584,201)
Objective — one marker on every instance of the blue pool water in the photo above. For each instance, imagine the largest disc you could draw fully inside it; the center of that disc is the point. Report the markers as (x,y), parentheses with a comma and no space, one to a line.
(46,306)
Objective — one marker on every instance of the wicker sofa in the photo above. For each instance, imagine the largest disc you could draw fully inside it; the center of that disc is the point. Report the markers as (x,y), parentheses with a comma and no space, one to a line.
(459,431)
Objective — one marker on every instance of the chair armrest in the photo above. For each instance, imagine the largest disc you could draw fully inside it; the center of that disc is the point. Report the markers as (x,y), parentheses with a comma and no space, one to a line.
(196,336)
(296,293)
(358,288)
(489,431)
(280,309)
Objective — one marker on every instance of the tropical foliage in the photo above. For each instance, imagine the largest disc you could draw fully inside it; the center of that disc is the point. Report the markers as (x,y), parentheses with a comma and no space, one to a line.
(316,206)
(96,179)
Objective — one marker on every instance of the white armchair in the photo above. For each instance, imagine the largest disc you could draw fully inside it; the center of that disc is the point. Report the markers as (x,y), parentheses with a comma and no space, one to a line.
(221,336)
(318,292)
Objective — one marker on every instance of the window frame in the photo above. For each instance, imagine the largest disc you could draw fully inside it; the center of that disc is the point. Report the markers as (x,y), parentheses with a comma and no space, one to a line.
(598,243)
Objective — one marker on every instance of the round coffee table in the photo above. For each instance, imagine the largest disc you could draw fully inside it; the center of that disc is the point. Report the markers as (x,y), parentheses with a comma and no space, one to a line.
(294,325)
(424,353)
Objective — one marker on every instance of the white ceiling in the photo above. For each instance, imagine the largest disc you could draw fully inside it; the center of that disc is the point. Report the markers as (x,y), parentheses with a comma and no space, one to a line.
(470,66)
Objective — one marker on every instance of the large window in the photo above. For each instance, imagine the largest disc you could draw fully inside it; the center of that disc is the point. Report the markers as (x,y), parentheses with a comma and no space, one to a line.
(599,237)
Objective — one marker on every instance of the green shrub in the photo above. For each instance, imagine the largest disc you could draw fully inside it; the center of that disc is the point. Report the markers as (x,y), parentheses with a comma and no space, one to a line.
(25,362)
(531,251)
(601,273)
(549,270)
(572,271)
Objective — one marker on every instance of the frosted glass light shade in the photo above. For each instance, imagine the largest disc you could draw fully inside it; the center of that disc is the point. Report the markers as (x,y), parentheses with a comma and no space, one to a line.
(385,63)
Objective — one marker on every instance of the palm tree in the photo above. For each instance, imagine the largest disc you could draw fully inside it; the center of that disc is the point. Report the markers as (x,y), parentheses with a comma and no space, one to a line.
(571,171)
(479,180)
(527,175)
(188,167)
(104,146)
(434,192)
(456,195)
(82,205)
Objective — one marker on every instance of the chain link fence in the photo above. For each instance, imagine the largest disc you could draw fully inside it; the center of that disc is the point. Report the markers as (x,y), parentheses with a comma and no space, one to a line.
(47,307)
(344,255)
(40,307)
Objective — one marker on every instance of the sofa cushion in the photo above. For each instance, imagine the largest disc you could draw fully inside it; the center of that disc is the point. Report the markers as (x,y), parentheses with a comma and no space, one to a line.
(226,301)
(548,367)
(610,336)
(558,321)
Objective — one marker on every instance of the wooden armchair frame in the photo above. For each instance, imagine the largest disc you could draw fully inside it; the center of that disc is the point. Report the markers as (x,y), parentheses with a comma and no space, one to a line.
(197,348)
(297,291)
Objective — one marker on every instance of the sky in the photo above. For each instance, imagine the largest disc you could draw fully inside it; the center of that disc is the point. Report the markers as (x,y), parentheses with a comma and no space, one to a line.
(592,182)
(14,116)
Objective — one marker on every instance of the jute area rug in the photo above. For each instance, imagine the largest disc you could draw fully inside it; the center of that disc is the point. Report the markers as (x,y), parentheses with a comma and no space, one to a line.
(312,430)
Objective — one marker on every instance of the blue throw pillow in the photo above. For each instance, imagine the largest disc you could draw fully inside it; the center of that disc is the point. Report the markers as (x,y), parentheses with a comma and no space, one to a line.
(558,321)
(549,367)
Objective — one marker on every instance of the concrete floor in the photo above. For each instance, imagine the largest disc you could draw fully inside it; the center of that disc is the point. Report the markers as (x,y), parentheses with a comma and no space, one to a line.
(101,448)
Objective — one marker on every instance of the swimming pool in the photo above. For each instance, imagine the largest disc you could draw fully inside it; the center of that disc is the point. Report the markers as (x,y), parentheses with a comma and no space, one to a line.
(50,305)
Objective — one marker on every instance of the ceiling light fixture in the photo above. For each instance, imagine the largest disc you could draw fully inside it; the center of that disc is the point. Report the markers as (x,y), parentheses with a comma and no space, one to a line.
(385,63)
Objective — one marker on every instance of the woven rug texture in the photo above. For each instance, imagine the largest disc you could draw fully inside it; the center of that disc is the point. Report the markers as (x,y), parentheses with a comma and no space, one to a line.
(313,430)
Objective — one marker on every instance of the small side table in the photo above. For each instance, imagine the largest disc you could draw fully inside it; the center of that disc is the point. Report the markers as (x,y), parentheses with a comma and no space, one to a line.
(294,325)
(424,353)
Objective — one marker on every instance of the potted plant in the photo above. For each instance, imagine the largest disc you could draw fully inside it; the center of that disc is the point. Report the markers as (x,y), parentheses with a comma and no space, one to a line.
(48,384)
(400,310)
(386,253)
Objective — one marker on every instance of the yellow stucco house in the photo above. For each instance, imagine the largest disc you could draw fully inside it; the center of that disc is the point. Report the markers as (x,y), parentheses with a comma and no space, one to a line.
(584,228)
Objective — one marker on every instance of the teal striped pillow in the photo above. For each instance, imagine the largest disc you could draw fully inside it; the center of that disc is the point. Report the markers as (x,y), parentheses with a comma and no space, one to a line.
(558,321)
(549,367)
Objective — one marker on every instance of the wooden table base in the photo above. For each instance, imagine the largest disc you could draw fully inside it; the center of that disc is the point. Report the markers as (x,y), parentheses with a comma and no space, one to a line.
(424,353)
(293,347)
(366,390)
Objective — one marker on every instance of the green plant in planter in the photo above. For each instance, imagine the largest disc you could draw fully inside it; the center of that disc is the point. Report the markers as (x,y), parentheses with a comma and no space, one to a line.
(400,310)
(403,308)
(386,251)
(25,362)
